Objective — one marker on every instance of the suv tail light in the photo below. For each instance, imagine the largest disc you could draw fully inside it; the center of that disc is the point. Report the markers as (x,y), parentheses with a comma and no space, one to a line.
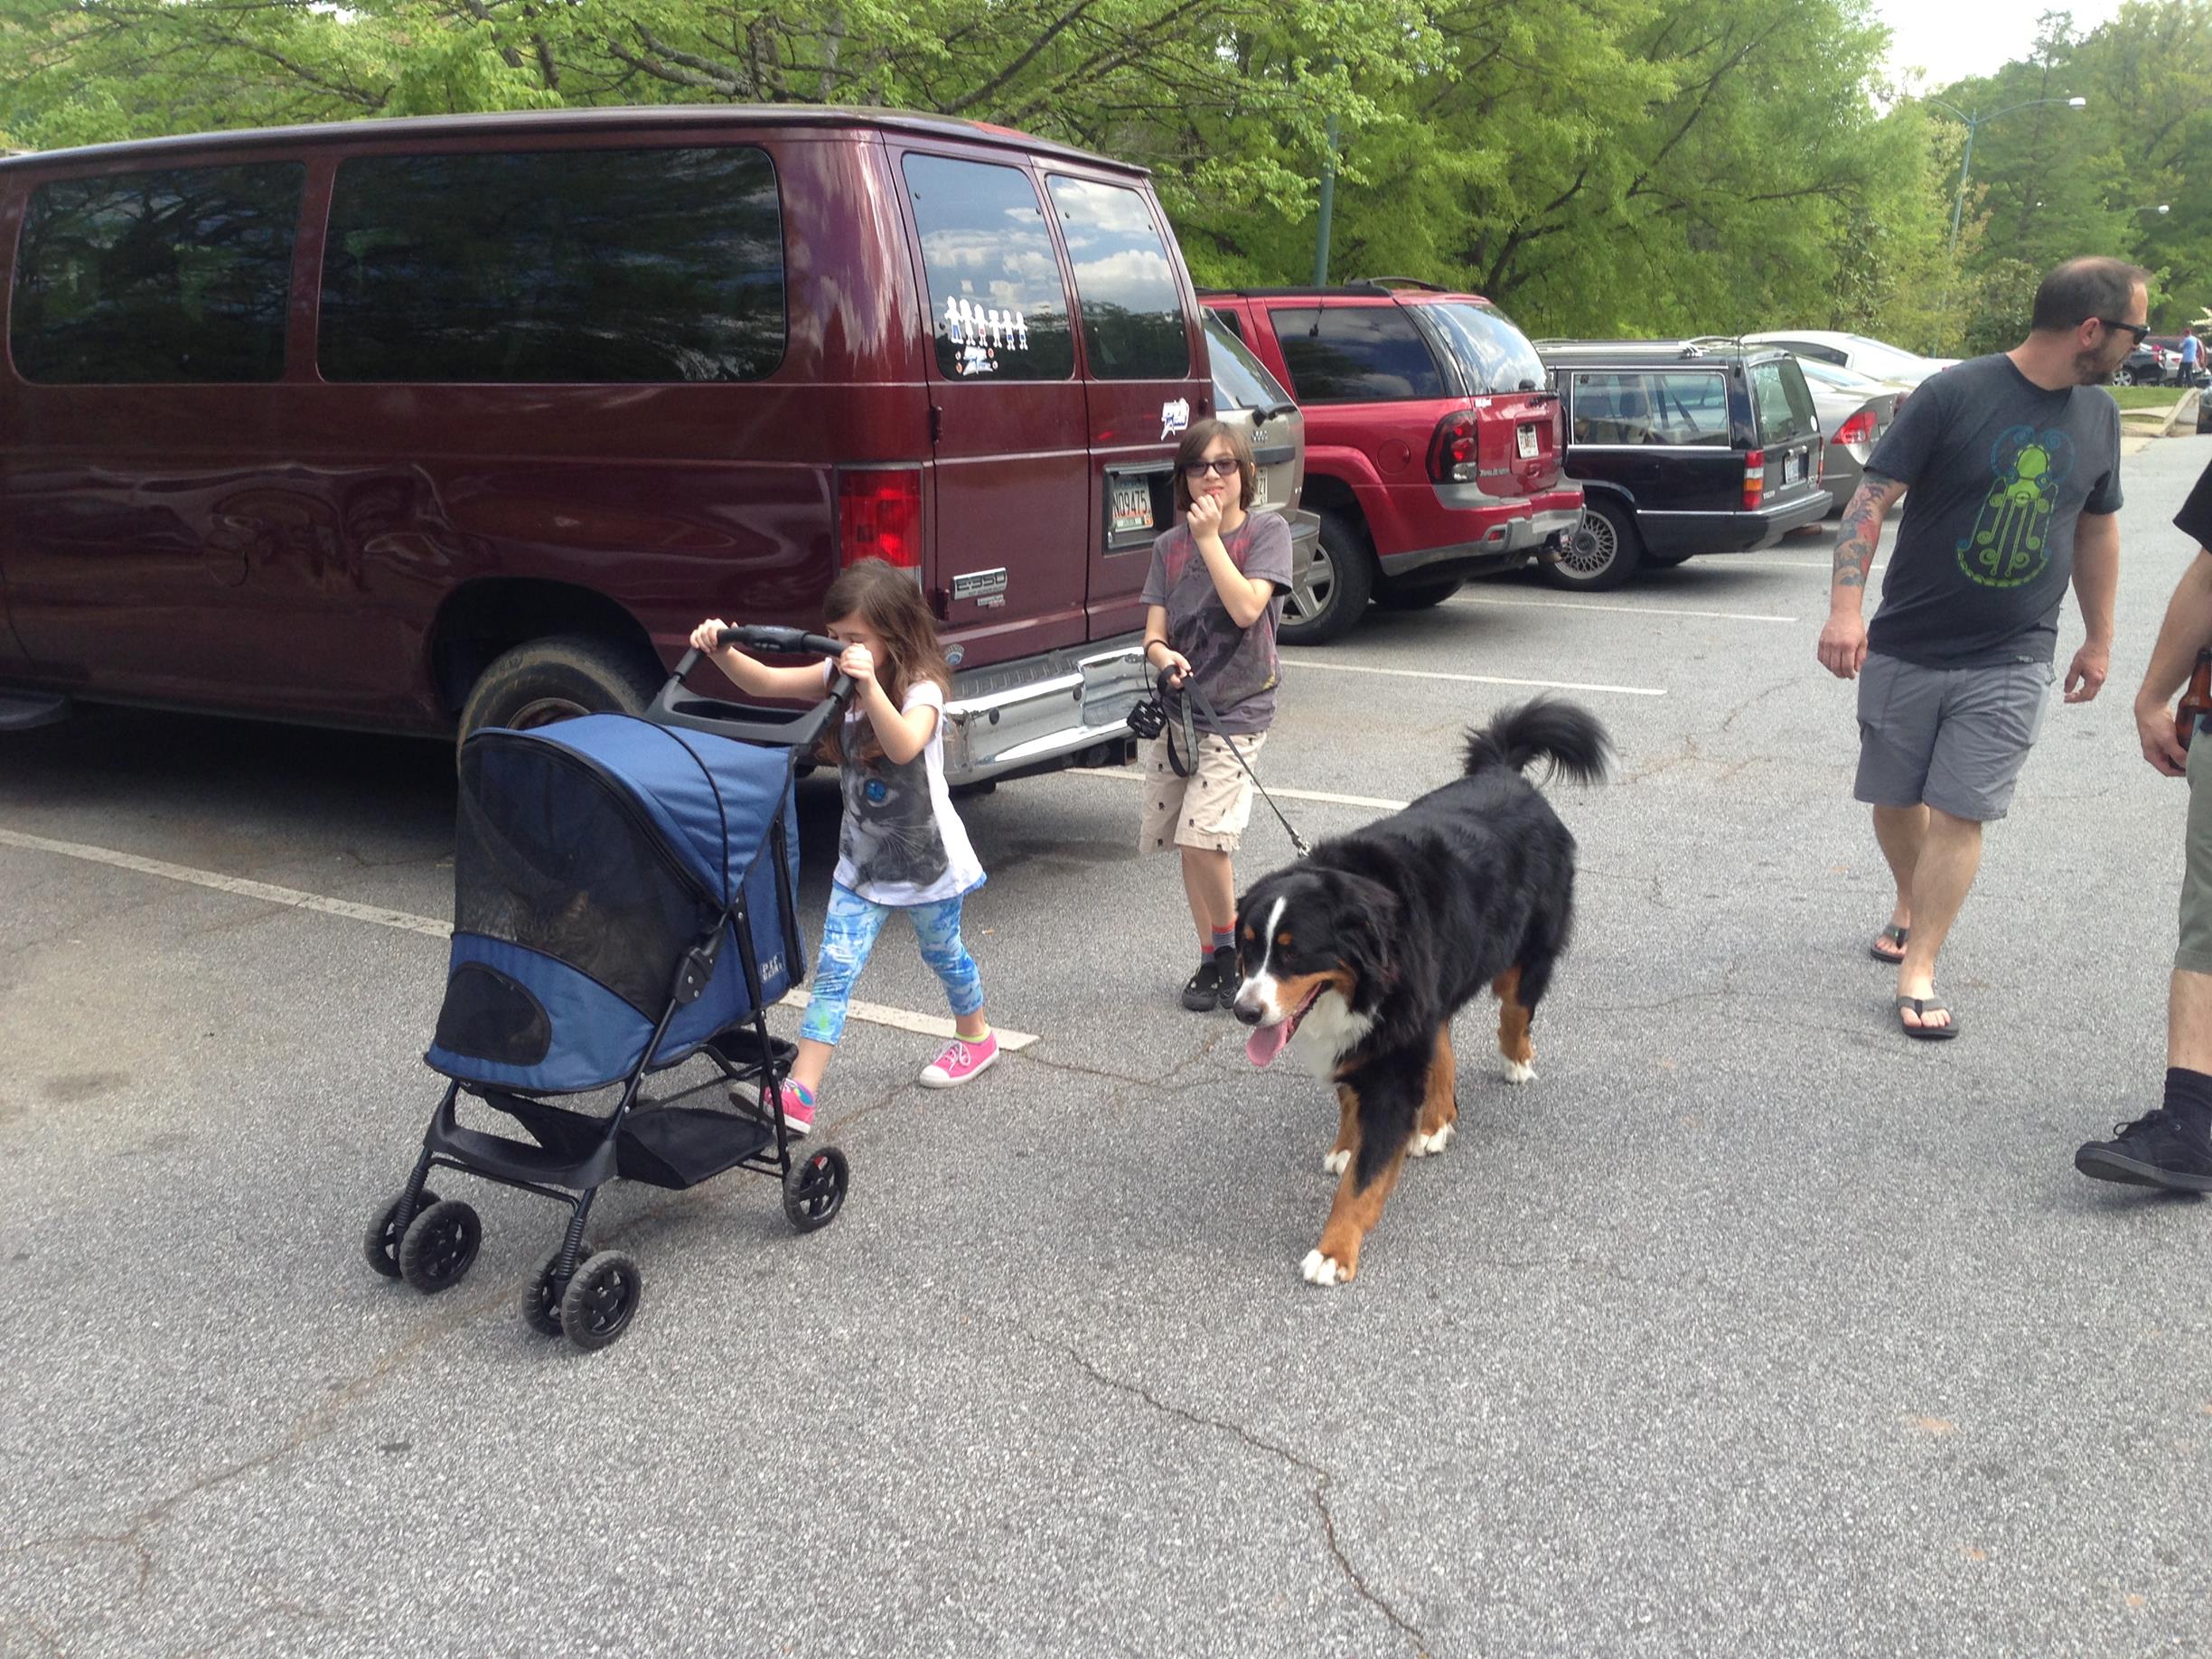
(1452,452)
(1857,429)
(879,516)
(1755,479)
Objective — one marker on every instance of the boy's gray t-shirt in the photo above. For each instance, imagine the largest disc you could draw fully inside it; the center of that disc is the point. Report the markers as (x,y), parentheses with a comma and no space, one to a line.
(1999,472)
(1235,668)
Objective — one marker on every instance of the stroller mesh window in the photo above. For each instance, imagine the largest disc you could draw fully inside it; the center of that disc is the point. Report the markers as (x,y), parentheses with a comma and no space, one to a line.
(549,857)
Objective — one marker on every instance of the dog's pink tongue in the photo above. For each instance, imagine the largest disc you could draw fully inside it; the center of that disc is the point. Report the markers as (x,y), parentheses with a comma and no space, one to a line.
(1267,1041)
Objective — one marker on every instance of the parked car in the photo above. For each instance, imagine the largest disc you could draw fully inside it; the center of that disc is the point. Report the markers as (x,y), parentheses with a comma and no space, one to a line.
(2147,365)
(1682,448)
(1874,356)
(2170,346)
(1854,409)
(1432,442)
(428,424)
(1246,394)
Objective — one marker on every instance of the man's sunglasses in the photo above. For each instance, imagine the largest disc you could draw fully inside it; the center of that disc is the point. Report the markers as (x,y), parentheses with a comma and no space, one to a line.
(1219,469)
(2137,329)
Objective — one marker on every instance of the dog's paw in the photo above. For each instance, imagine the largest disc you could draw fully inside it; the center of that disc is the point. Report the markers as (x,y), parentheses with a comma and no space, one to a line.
(1337,1161)
(1520,1072)
(1320,1269)
(1423,1146)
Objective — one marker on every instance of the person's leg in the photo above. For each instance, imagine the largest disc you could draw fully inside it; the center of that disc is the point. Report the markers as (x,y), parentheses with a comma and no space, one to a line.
(1899,707)
(1900,830)
(1209,883)
(2188,1021)
(1950,855)
(848,936)
(1216,807)
(937,930)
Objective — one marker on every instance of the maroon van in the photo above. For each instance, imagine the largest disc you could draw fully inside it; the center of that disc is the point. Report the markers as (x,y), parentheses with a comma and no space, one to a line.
(425,424)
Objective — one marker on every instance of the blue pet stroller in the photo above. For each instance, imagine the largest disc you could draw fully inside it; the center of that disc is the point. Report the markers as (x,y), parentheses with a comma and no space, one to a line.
(623,899)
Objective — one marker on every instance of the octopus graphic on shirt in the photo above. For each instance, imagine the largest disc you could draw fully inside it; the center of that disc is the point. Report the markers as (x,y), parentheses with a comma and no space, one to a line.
(2010,543)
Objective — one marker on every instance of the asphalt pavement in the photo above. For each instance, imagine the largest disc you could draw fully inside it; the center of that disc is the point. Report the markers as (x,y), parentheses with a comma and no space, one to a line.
(1749,1328)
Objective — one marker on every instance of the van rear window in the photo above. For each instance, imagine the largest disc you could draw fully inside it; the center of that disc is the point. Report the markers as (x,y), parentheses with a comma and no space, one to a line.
(998,306)
(182,275)
(1133,306)
(569,266)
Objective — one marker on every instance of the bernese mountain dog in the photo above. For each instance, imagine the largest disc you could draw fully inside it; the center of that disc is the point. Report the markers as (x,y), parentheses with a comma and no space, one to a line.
(1358,956)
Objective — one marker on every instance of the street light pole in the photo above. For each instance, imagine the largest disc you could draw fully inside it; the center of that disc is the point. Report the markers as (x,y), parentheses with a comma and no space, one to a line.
(1974,123)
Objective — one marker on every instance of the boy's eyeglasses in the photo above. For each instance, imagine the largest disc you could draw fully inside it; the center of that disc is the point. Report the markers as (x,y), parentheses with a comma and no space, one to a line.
(1219,469)
(2137,329)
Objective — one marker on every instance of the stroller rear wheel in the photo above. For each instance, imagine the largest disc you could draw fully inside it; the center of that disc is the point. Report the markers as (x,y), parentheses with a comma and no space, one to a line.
(380,1243)
(541,1303)
(596,1308)
(440,1246)
(814,1189)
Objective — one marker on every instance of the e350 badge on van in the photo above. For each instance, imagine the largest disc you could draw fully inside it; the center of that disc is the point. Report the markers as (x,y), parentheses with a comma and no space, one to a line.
(1175,415)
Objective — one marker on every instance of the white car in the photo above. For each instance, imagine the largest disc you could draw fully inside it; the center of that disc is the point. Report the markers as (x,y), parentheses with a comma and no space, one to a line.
(1856,352)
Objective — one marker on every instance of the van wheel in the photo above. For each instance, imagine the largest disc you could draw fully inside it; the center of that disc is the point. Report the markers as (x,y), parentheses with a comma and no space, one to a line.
(558,679)
(1417,595)
(1603,552)
(1330,602)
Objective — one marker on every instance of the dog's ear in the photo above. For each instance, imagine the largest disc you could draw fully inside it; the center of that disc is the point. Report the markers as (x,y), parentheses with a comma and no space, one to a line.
(1369,928)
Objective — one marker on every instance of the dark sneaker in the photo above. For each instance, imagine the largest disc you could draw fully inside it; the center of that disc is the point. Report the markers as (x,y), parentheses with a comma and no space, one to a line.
(1225,969)
(2160,1148)
(1203,994)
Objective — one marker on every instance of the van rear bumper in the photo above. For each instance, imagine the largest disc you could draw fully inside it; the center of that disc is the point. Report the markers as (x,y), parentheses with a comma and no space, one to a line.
(1044,711)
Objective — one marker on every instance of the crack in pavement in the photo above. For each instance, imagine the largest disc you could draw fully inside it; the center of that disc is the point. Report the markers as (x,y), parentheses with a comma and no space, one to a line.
(1322,1478)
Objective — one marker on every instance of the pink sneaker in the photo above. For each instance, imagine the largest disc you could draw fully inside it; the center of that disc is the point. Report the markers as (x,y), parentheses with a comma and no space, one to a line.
(960,1061)
(797,1105)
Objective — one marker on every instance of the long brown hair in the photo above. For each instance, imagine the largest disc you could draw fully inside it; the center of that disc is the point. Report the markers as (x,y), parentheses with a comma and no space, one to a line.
(1198,438)
(889,601)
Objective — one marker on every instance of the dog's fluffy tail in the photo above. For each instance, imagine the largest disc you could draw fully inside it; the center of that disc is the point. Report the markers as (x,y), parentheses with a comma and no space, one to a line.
(1564,732)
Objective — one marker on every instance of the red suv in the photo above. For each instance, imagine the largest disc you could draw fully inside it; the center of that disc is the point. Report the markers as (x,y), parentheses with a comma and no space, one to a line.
(1433,443)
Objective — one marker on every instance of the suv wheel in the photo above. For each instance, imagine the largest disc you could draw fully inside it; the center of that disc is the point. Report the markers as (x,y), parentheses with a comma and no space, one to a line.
(544,681)
(1603,552)
(1328,604)
(2123,376)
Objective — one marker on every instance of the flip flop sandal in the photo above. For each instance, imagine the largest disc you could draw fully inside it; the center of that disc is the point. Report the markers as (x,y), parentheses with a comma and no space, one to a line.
(1896,936)
(1924,1007)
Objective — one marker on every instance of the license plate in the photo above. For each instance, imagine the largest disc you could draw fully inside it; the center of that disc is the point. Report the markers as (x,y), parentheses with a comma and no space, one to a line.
(1132,506)
(1526,438)
(1259,495)
(1792,469)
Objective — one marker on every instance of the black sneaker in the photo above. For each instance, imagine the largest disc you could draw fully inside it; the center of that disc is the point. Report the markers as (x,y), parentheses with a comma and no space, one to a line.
(2160,1148)
(1204,992)
(1224,969)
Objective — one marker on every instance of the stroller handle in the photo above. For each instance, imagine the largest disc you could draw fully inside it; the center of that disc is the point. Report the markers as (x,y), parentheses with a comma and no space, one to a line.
(781,728)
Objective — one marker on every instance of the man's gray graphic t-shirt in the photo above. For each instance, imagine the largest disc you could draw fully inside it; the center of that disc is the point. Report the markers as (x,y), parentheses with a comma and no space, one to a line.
(1235,668)
(1999,472)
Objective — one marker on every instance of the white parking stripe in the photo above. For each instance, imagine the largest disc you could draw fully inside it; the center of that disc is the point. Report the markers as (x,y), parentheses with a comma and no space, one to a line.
(876,1013)
(1472,680)
(1625,610)
(1131,775)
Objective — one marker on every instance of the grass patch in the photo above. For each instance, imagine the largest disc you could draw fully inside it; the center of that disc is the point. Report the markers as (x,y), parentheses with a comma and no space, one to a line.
(2158,397)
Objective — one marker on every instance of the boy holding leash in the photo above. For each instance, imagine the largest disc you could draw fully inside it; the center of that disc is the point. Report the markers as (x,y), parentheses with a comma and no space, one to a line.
(1214,598)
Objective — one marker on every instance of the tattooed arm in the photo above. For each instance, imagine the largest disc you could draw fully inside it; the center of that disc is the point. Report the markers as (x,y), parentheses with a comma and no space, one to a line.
(1844,640)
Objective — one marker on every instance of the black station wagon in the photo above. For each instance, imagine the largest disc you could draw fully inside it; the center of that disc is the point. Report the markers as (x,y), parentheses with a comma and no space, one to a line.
(1681,447)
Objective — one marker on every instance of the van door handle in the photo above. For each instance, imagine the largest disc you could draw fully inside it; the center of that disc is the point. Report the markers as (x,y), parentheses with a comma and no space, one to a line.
(936,423)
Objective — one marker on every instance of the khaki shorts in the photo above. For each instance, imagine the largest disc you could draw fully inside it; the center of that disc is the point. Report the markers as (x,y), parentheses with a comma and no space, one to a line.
(1210,808)
(2194,954)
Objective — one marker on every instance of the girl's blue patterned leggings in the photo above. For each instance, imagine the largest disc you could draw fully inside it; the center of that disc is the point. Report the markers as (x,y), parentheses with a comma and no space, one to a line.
(848,936)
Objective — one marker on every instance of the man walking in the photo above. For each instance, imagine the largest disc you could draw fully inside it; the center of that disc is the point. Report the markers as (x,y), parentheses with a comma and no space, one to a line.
(2013,462)
(2172,1146)
(2191,350)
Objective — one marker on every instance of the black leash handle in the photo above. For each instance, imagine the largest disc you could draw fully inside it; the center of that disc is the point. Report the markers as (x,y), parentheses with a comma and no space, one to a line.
(1185,700)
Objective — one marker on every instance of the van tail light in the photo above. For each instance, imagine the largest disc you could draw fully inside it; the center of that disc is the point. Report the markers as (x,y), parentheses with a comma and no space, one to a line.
(1453,455)
(1755,479)
(879,516)
(1857,429)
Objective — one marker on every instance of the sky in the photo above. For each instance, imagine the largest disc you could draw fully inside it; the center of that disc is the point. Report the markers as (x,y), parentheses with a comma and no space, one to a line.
(1952,38)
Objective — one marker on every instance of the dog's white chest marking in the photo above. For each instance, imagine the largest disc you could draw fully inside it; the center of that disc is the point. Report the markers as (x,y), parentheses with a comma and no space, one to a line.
(1329,1031)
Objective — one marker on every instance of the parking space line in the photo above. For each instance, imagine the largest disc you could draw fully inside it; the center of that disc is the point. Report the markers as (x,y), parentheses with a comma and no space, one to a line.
(876,1013)
(1472,680)
(1131,775)
(1625,610)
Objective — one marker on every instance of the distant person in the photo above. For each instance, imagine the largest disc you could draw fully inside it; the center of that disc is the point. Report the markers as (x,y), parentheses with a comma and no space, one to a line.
(2014,469)
(2191,350)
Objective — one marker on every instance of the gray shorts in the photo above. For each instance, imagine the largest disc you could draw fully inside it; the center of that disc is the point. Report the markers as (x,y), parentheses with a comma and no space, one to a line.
(1955,738)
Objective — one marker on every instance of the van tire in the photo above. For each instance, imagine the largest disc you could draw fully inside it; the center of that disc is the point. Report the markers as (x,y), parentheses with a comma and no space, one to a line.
(1341,583)
(540,681)
(1602,553)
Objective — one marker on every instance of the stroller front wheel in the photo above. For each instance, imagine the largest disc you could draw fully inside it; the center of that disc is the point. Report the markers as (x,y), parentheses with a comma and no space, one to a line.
(541,1303)
(380,1243)
(601,1298)
(440,1246)
(814,1189)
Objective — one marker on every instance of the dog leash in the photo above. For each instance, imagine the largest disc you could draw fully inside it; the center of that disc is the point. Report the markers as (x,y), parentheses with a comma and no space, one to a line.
(1150,718)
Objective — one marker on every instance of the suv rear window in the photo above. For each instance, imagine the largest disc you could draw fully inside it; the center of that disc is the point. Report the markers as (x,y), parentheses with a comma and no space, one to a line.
(1493,355)
(1240,380)
(1356,354)
(1783,405)
(591,265)
(182,275)
(1132,306)
(999,307)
